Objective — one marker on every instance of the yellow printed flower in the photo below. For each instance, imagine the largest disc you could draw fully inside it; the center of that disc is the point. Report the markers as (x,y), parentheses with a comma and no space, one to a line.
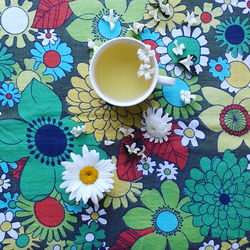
(16,21)
(234,244)
(24,241)
(229,116)
(176,16)
(98,116)
(207,16)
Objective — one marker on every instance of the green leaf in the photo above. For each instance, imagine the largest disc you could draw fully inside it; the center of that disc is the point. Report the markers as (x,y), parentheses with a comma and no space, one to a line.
(80,30)
(138,218)
(134,11)
(37,180)
(39,100)
(178,242)
(80,7)
(119,6)
(13,145)
(170,193)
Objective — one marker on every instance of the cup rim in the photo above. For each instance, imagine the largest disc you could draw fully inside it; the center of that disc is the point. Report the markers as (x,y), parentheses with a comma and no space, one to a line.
(108,99)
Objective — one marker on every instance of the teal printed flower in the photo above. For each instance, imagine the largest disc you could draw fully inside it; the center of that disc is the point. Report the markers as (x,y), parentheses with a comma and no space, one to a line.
(77,207)
(6,69)
(219,68)
(90,236)
(8,203)
(43,135)
(220,196)
(163,212)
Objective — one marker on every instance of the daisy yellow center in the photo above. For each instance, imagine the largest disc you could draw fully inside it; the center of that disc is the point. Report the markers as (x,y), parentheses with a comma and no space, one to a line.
(209,248)
(228,1)
(188,132)
(94,216)
(5,227)
(88,175)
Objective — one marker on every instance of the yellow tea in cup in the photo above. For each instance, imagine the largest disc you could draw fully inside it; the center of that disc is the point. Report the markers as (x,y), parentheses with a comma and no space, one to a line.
(116,72)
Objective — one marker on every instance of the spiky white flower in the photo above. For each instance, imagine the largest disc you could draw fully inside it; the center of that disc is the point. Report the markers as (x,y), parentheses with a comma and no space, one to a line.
(187,62)
(111,19)
(77,131)
(145,71)
(137,27)
(186,96)
(190,19)
(132,149)
(145,54)
(178,49)
(127,132)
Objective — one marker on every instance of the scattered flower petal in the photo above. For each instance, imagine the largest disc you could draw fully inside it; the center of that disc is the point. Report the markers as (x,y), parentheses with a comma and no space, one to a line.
(190,19)
(127,132)
(91,45)
(108,143)
(111,19)
(186,96)
(145,54)
(178,50)
(154,14)
(165,8)
(145,71)
(77,131)
(137,27)
(187,62)
(132,149)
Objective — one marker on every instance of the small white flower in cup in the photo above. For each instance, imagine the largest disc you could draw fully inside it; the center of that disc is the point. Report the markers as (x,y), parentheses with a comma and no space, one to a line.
(87,177)
(77,131)
(49,36)
(108,143)
(132,149)
(145,71)
(187,62)
(127,132)
(154,14)
(111,19)
(145,54)
(91,45)
(186,96)
(178,50)
(165,8)
(157,126)
(190,19)
(137,27)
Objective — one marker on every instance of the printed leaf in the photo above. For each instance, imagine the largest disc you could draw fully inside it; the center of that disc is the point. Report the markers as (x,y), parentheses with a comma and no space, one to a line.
(135,10)
(172,150)
(51,14)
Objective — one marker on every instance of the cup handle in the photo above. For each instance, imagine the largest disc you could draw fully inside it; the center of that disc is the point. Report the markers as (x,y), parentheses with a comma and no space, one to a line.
(166,80)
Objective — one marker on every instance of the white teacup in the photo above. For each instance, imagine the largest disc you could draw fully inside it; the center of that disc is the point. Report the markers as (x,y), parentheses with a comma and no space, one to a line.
(113,73)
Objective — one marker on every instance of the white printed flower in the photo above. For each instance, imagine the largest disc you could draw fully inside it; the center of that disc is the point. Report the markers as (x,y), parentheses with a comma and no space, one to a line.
(165,8)
(137,27)
(244,5)
(178,50)
(49,36)
(108,143)
(167,171)
(132,149)
(189,133)
(7,226)
(127,132)
(145,71)
(92,45)
(94,214)
(209,245)
(4,183)
(154,14)
(145,54)
(187,62)
(227,4)
(111,19)
(146,166)
(156,126)
(190,19)
(77,131)
(186,96)
(87,176)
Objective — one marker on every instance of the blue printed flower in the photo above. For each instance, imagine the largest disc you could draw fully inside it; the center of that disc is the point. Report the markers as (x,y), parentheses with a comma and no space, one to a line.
(4,166)
(57,58)
(219,68)
(9,94)
(9,204)
(76,207)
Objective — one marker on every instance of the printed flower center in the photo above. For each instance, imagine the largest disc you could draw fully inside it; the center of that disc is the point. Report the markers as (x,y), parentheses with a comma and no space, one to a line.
(145,166)
(22,241)
(120,189)
(218,67)
(50,140)
(94,216)
(5,226)
(188,132)
(89,237)
(209,248)
(227,1)
(88,175)
(14,27)
(235,245)
(12,204)
(52,59)
(48,35)
(206,17)
(1,182)
(224,199)
(49,212)
(235,120)
(235,34)
(167,171)
(9,96)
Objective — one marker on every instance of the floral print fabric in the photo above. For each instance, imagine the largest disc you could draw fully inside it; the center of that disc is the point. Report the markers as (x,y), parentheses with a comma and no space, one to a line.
(191,192)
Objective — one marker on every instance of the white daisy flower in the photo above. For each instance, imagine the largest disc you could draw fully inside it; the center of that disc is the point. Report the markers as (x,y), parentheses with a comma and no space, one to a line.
(188,35)
(7,226)
(137,27)
(189,133)
(227,4)
(49,36)
(146,166)
(87,176)
(4,183)
(111,19)
(244,5)
(127,132)
(186,96)
(167,171)
(145,71)
(209,245)
(248,166)
(77,131)
(94,214)
(132,149)
(156,126)
(145,54)
(190,19)
(178,49)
